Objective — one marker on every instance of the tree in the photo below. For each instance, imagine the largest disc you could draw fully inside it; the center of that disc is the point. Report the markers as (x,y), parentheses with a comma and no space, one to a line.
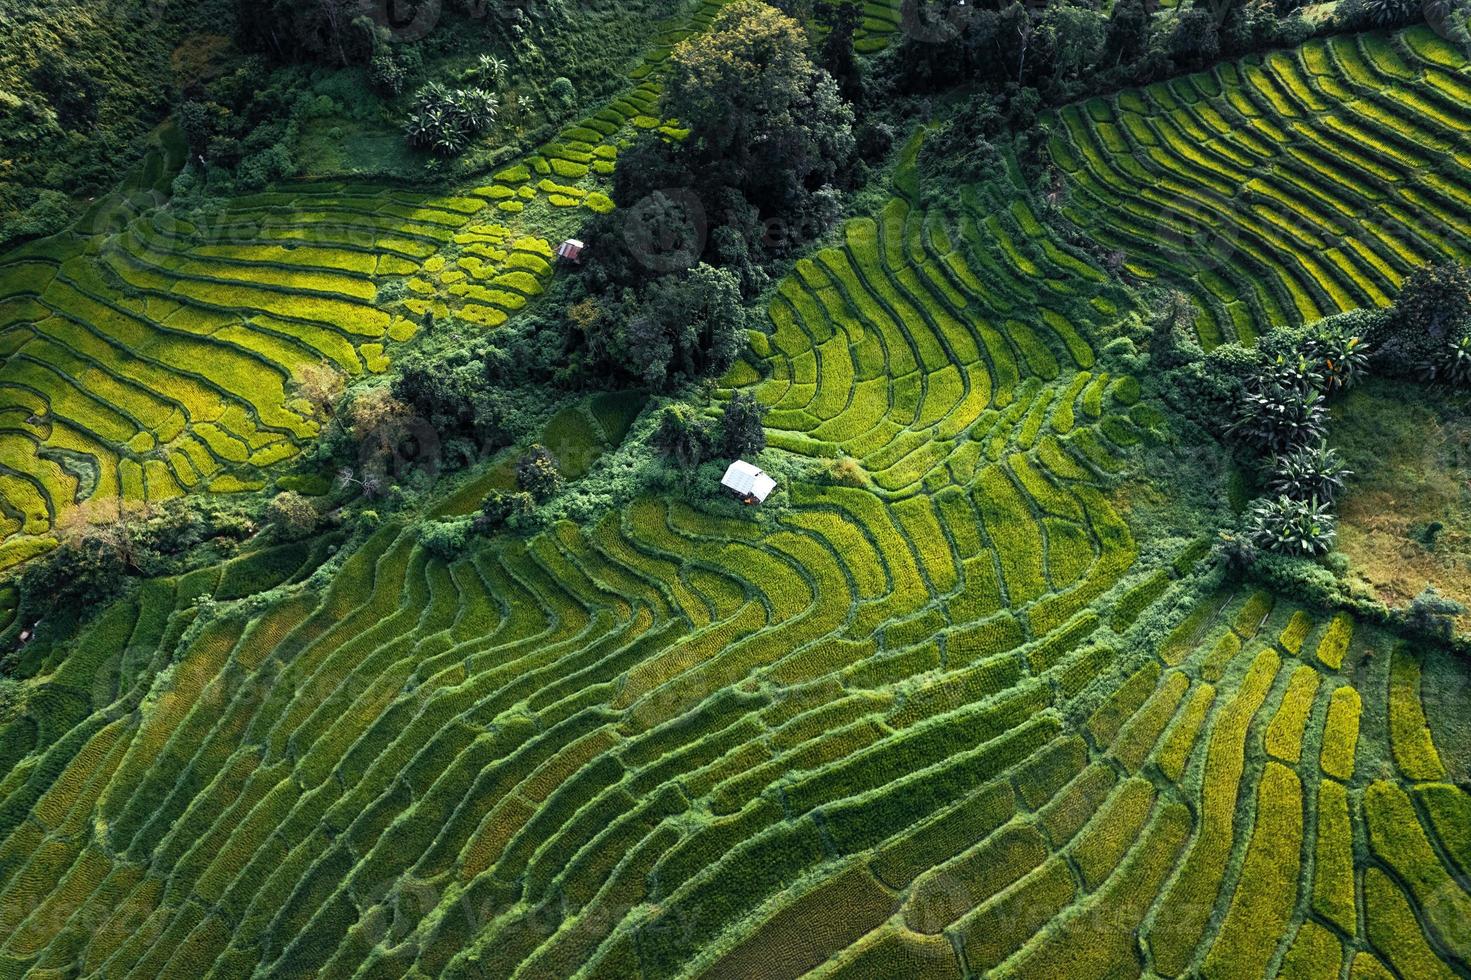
(741,433)
(1194,41)
(837,57)
(498,510)
(1128,32)
(682,436)
(1071,42)
(763,118)
(537,474)
(322,386)
(373,413)
(1431,313)
(292,514)
(1458,370)
(332,31)
(680,328)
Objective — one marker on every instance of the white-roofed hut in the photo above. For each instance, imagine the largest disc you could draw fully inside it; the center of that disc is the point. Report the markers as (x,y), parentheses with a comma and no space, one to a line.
(747,481)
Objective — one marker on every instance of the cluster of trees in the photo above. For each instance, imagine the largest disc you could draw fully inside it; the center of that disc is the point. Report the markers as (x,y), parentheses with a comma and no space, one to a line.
(770,151)
(107,550)
(1066,50)
(687,438)
(1426,335)
(82,85)
(1013,58)
(240,126)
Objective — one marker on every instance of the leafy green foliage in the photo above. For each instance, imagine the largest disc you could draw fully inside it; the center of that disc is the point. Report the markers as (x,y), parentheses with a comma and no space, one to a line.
(1292,527)
(1308,472)
(444,120)
(293,515)
(537,474)
(741,434)
(1419,338)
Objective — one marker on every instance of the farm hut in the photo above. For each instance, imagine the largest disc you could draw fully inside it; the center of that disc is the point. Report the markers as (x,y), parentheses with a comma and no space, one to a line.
(571,250)
(748,482)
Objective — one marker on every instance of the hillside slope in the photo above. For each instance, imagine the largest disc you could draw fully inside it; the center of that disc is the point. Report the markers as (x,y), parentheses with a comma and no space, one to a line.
(985,708)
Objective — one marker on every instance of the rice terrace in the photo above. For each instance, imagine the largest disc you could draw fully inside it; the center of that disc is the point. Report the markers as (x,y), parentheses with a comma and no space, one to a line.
(735,488)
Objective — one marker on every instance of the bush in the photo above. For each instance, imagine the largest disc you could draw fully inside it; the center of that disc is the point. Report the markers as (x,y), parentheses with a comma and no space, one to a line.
(446,539)
(682,436)
(498,510)
(846,471)
(562,96)
(1420,337)
(292,514)
(1291,527)
(1433,615)
(444,120)
(1308,473)
(1282,407)
(537,474)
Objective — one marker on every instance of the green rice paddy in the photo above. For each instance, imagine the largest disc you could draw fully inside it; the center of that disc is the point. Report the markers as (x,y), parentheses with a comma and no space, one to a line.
(1284,187)
(929,726)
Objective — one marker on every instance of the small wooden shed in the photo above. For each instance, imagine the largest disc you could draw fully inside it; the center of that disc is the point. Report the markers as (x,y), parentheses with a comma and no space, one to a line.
(571,250)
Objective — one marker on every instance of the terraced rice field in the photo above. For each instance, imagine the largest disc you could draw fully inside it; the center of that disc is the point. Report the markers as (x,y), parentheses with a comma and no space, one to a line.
(907,729)
(917,728)
(1281,188)
(149,353)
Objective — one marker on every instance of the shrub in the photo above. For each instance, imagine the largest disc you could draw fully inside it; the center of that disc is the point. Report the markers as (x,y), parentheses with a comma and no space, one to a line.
(446,539)
(498,510)
(846,471)
(1282,407)
(1338,346)
(1432,614)
(1308,473)
(561,95)
(1292,527)
(682,436)
(537,474)
(292,514)
(489,70)
(444,120)
(1432,312)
